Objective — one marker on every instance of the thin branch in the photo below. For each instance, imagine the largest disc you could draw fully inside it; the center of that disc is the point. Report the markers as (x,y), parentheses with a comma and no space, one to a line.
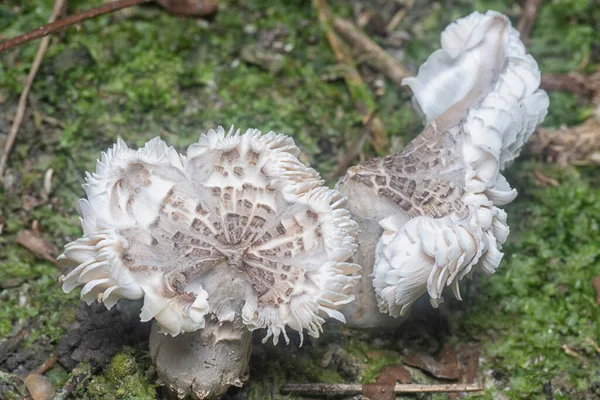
(399,16)
(326,389)
(353,149)
(359,92)
(377,57)
(59,6)
(573,82)
(48,364)
(527,20)
(63,23)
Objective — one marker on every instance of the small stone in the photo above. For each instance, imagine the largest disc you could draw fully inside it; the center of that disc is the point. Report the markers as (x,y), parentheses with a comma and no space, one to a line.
(39,387)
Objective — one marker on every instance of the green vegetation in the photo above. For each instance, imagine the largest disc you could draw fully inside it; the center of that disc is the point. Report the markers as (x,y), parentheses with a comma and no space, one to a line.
(543,299)
(124,378)
(141,73)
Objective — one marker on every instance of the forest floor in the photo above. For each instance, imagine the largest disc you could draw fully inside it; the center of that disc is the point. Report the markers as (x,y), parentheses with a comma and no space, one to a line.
(529,331)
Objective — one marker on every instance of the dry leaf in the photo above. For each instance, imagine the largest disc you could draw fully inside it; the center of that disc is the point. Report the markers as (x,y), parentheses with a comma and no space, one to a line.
(38,246)
(190,8)
(447,367)
(383,388)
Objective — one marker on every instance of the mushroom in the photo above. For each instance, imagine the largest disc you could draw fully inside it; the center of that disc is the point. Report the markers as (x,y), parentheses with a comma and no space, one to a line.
(430,215)
(237,235)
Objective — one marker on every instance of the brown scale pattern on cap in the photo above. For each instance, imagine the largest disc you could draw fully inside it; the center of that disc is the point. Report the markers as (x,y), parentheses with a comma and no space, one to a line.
(424,179)
(234,227)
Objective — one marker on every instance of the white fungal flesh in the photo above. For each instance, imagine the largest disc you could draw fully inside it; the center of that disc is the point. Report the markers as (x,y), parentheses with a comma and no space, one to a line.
(481,100)
(482,69)
(159,225)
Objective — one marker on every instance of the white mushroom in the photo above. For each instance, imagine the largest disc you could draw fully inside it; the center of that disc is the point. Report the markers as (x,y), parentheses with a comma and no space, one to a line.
(235,236)
(430,214)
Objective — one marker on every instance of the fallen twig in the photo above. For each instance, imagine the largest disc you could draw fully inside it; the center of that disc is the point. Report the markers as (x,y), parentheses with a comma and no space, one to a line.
(593,343)
(376,57)
(325,389)
(48,364)
(358,90)
(353,149)
(574,82)
(59,5)
(527,20)
(397,18)
(544,181)
(63,23)
(572,353)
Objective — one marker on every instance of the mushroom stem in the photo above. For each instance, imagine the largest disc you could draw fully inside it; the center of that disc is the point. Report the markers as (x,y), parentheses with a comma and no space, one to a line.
(364,312)
(205,363)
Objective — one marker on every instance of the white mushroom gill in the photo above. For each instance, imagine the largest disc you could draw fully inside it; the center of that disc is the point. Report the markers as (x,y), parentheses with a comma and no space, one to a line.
(438,199)
(159,225)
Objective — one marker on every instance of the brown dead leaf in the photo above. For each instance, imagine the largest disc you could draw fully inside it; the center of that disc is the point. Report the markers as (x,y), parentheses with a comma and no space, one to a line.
(446,367)
(39,386)
(190,8)
(596,284)
(579,145)
(468,357)
(38,246)
(383,388)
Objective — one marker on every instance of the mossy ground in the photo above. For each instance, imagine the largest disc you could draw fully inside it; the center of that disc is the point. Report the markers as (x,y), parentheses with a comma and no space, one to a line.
(141,73)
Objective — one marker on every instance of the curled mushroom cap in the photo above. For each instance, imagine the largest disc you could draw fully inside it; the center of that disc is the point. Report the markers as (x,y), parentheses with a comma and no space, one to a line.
(438,200)
(168,228)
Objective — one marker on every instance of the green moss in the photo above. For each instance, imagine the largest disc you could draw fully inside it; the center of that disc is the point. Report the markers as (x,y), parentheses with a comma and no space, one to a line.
(123,379)
(542,297)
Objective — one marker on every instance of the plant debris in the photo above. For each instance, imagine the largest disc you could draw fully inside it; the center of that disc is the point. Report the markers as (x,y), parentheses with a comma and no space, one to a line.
(383,388)
(190,8)
(444,367)
(361,95)
(579,145)
(38,246)
(12,343)
(545,181)
(39,386)
(371,52)
(16,382)
(528,16)
(596,283)
(335,389)
(58,8)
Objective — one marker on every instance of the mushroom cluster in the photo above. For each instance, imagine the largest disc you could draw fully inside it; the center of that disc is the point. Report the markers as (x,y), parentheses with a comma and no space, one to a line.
(430,215)
(239,235)
(235,236)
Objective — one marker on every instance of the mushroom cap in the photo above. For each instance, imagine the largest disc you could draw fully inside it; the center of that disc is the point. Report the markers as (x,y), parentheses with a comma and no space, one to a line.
(438,200)
(163,227)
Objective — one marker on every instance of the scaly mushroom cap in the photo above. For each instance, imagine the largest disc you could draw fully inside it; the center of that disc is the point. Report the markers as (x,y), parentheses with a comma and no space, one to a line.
(159,225)
(438,199)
